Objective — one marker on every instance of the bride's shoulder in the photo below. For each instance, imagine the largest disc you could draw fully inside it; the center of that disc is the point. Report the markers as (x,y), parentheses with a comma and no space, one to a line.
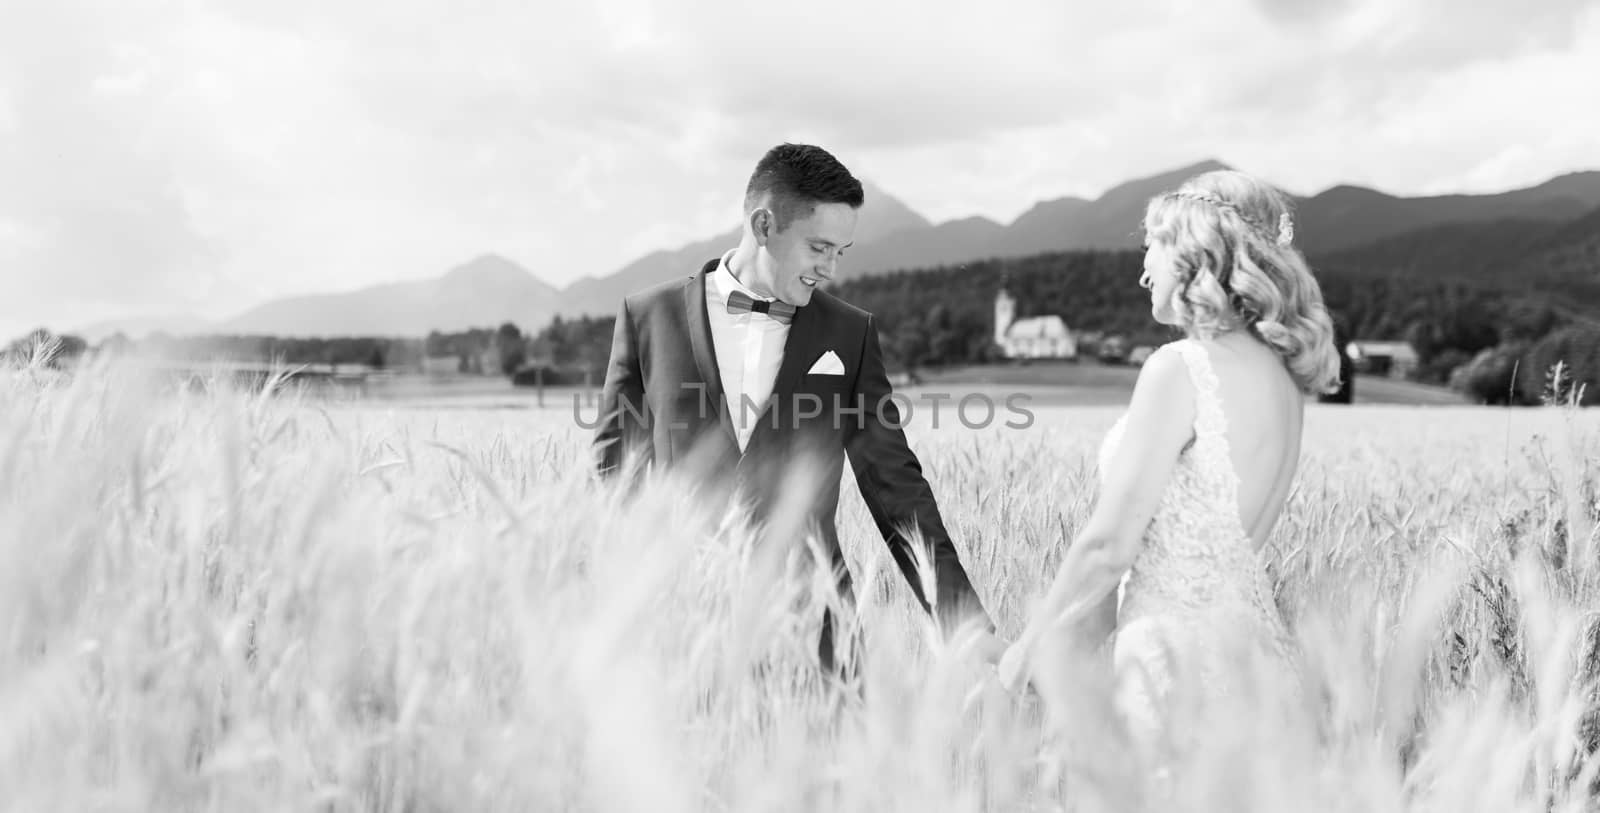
(1169,350)
(1164,377)
(1164,399)
(1168,360)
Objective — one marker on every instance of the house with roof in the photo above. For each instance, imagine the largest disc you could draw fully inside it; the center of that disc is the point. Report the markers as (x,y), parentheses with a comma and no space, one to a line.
(1034,337)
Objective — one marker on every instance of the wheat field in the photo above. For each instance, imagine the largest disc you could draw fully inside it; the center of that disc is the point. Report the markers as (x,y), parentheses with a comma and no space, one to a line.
(232,601)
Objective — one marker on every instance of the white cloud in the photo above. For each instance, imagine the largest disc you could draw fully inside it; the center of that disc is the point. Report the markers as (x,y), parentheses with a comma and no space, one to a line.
(173,156)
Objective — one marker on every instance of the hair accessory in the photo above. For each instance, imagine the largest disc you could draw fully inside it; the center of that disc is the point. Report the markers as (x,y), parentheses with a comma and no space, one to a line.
(1285,234)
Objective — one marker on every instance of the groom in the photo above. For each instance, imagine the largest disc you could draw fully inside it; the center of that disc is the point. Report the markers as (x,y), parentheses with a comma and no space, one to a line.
(757,385)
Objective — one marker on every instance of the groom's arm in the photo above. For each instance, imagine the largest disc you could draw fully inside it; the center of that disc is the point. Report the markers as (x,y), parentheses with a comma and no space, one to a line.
(622,429)
(891,482)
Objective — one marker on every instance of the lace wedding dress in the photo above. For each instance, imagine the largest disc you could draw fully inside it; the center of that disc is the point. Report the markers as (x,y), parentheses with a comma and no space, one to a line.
(1196,620)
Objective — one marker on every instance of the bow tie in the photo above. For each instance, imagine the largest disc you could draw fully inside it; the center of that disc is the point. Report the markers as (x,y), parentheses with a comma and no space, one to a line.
(741,302)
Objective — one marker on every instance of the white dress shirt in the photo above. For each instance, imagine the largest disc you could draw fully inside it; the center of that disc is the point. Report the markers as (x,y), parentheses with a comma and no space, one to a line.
(749,349)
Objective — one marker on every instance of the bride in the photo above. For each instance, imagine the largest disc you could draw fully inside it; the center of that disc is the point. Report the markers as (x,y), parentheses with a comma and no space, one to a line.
(1194,475)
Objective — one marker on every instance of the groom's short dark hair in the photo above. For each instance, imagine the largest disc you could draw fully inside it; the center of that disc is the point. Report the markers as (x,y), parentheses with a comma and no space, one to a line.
(800,176)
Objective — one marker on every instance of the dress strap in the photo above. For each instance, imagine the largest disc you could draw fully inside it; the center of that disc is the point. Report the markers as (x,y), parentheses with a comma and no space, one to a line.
(1209,419)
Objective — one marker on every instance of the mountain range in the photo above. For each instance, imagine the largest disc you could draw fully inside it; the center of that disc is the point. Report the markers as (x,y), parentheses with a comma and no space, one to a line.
(1553,228)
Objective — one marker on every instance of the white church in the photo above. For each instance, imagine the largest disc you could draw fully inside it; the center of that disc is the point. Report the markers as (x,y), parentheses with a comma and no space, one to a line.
(1037,337)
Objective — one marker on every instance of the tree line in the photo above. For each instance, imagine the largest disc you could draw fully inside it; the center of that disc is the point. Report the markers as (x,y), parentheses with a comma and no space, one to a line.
(564,351)
(946,315)
(1493,342)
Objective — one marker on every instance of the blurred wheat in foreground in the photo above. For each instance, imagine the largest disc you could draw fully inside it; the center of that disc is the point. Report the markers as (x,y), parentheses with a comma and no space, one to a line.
(229,601)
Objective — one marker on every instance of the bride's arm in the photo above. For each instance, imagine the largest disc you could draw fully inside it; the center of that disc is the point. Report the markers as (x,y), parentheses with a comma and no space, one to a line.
(1159,424)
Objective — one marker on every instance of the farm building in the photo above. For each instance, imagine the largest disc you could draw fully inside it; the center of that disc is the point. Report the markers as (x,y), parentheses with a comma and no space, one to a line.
(1393,359)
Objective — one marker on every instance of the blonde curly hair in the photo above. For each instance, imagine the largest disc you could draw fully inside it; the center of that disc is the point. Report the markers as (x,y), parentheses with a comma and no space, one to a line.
(1232,239)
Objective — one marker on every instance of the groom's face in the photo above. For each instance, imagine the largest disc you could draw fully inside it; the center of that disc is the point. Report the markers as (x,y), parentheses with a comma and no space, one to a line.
(807,253)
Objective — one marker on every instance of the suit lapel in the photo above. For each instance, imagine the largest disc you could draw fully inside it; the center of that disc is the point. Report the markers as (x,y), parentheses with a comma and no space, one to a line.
(705,350)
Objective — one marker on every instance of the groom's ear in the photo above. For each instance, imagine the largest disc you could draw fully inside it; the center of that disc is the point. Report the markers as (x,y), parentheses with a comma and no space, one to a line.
(761,224)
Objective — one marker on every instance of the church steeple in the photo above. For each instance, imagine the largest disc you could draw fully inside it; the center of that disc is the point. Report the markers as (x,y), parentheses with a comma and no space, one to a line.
(1005,310)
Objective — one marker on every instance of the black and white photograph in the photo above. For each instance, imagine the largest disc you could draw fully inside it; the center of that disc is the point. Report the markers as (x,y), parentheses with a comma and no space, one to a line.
(700,405)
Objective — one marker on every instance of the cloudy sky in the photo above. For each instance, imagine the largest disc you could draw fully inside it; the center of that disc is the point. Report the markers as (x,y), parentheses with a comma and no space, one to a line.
(182,157)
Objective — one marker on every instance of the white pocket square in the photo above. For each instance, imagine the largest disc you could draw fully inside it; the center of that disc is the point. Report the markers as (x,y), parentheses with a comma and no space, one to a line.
(829,364)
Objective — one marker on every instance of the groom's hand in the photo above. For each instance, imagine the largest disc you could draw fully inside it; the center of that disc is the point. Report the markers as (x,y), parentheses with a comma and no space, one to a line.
(988,648)
(1013,667)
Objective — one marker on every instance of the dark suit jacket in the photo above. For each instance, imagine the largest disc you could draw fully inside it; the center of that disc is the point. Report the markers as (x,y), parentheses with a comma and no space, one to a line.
(663,407)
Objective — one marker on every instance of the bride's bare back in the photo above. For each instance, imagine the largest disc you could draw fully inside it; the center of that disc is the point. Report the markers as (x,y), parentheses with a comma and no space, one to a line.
(1265,412)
